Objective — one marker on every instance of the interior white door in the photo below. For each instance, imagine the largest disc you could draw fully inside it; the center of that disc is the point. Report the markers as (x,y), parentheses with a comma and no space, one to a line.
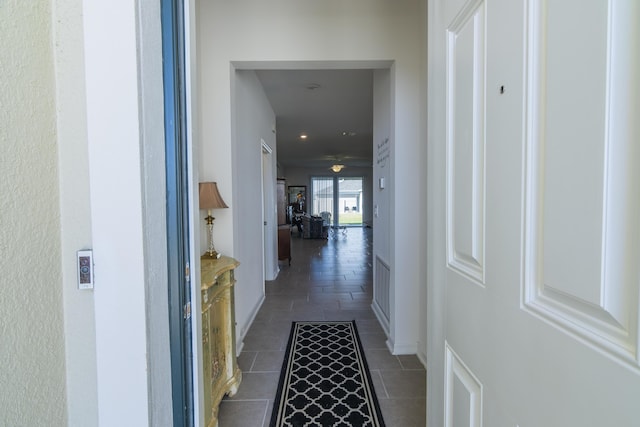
(533,304)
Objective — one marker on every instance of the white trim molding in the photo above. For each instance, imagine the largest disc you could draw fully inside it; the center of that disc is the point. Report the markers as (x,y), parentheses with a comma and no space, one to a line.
(465,143)
(457,372)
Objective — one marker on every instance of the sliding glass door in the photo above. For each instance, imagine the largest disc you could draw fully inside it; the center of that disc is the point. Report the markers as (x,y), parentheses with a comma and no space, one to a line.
(321,197)
(350,201)
(339,196)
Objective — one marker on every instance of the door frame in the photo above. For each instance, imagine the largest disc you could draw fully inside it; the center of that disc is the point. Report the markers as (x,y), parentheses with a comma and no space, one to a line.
(178,213)
(269,268)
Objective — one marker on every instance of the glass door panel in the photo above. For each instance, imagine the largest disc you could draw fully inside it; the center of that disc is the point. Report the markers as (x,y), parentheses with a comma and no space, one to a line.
(349,201)
(321,196)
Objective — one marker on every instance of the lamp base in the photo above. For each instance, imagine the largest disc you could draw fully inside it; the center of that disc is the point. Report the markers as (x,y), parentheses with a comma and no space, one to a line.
(211,255)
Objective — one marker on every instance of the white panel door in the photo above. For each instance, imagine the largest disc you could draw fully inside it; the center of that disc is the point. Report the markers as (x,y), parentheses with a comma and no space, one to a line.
(535,155)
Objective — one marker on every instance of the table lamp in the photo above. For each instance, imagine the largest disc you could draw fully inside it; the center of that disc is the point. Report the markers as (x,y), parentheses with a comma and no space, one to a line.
(210,199)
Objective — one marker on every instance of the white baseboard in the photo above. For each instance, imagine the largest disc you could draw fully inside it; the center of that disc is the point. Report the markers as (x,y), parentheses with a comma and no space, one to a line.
(382,319)
(399,349)
(245,328)
(422,354)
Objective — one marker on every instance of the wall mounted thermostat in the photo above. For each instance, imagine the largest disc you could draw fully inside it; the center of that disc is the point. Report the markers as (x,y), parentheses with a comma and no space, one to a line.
(85,269)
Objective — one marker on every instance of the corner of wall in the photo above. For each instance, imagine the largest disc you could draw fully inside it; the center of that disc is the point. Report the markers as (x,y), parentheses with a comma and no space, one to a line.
(75,211)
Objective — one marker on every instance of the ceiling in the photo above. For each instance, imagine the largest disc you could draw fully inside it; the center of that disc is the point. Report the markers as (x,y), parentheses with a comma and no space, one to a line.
(334,108)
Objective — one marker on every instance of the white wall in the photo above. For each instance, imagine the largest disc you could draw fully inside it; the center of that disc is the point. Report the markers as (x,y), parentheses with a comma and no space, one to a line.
(310,35)
(254,120)
(382,166)
(32,365)
(75,214)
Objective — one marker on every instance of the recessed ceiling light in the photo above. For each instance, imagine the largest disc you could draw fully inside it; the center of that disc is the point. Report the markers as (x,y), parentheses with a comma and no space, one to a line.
(303,136)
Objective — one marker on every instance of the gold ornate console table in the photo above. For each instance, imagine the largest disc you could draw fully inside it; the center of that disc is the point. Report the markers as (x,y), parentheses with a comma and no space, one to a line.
(220,368)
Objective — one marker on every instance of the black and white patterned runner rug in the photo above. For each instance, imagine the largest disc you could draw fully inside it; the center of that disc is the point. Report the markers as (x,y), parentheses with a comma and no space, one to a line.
(325,380)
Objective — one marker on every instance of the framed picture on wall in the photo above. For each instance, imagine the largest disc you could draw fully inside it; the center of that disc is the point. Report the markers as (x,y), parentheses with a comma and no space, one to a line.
(298,197)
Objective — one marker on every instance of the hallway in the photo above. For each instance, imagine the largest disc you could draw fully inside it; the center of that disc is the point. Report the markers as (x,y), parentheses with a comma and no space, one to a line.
(327,280)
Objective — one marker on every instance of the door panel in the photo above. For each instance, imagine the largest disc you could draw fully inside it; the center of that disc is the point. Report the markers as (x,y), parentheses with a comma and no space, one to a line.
(465,142)
(574,212)
(570,137)
(350,208)
(540,142)
(464,399)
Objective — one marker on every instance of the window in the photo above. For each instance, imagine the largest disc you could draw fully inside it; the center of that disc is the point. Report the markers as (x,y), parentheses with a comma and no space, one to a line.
(340,196)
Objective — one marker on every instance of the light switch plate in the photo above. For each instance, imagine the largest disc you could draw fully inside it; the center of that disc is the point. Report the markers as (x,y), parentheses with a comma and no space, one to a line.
(85,269)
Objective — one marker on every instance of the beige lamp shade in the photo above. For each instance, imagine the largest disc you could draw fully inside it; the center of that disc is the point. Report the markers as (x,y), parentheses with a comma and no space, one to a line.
(210,197)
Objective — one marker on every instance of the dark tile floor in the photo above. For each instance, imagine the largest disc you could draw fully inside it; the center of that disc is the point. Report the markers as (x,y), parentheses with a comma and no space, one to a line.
(327,280)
